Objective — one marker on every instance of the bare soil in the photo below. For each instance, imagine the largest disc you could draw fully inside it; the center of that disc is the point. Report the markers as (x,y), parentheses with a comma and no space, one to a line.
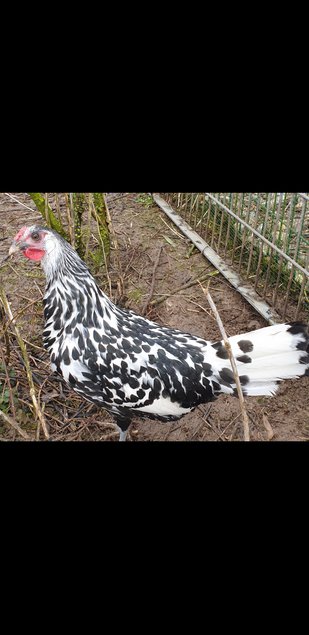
(142,231)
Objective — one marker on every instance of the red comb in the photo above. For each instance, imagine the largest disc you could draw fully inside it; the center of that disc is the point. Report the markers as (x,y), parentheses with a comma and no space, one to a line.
(20,234)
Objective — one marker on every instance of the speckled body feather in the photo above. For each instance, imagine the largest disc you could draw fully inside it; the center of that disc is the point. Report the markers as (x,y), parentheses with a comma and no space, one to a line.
(132,366)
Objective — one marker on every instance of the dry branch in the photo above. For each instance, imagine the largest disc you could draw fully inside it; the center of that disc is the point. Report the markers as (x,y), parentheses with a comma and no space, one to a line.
(14,425)
(8,381)
(24,353)
(156,264)
(233,363)
(183,287)
(4,260)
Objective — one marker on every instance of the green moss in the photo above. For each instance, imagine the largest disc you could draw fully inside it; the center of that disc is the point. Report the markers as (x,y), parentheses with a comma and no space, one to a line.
(99,203)
(145,199)
(135,294)
(97,258)
(47,213)
(79,206)
(5,392)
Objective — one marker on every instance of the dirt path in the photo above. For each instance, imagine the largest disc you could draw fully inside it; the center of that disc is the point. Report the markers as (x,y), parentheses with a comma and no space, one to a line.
(144,233)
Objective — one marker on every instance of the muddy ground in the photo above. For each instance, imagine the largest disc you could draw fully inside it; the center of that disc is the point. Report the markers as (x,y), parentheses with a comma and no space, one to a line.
(142,234)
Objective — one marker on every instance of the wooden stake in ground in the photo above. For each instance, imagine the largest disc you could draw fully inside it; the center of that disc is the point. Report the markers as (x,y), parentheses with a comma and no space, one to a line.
(233,363)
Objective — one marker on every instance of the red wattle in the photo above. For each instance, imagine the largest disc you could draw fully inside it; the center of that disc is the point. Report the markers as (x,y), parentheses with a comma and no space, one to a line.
(34,254)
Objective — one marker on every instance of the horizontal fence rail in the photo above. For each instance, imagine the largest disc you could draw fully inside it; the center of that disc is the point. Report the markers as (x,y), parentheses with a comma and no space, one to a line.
(263,237)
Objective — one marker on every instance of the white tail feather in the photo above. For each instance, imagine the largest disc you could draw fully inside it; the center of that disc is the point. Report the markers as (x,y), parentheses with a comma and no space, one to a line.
(269,355)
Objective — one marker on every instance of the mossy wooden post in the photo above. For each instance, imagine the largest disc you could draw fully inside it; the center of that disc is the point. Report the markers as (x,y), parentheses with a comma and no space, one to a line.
(81,203)
(51,220)
(103,223)
(79,206)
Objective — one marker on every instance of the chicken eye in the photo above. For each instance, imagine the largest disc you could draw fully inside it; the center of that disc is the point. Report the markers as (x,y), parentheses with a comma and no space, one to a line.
(35,235)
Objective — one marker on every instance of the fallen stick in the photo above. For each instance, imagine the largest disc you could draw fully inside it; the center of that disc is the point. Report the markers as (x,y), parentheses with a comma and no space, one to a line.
(183,287)
(233,363)
(156,264)
(14,425)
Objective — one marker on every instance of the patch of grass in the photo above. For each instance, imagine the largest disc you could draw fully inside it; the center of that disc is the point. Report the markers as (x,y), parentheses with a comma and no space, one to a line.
(135,295)
(97,259)
(5,393)
(145,200)
(5,400)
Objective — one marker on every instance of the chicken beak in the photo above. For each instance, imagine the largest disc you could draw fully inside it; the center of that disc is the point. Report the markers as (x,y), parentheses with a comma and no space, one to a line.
(14,247)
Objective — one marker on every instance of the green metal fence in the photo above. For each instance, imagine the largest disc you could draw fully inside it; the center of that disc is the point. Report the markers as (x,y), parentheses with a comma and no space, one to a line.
(262,236)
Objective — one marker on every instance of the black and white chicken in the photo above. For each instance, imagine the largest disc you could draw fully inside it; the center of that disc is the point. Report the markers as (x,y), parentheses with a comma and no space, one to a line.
(132,366)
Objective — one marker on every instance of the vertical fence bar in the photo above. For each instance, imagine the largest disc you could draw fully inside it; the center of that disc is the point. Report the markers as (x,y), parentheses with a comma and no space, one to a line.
(270,246)
(214,222)
(261,244)
(229,221)
(200,222)
(274,230)
(300,229)
(238,225)
(244,233)
(221,228)
(255,224)
(285,241)
(208,218)
(190,210)
(186,206)
(197,210)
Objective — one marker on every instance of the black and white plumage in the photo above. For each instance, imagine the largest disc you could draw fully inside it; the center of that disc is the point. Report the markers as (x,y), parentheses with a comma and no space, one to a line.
(132,366)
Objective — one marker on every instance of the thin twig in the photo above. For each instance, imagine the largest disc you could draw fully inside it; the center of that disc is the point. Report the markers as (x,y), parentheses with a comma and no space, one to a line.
(200,307)
(4,260)
(23,349)
(116,198)
(233,363)
(154,271)
(228,426)
(201,423)
(14,425)
(173,230)
(19,202)
(11,396)
(183,287)
(173,430)
(20,312)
